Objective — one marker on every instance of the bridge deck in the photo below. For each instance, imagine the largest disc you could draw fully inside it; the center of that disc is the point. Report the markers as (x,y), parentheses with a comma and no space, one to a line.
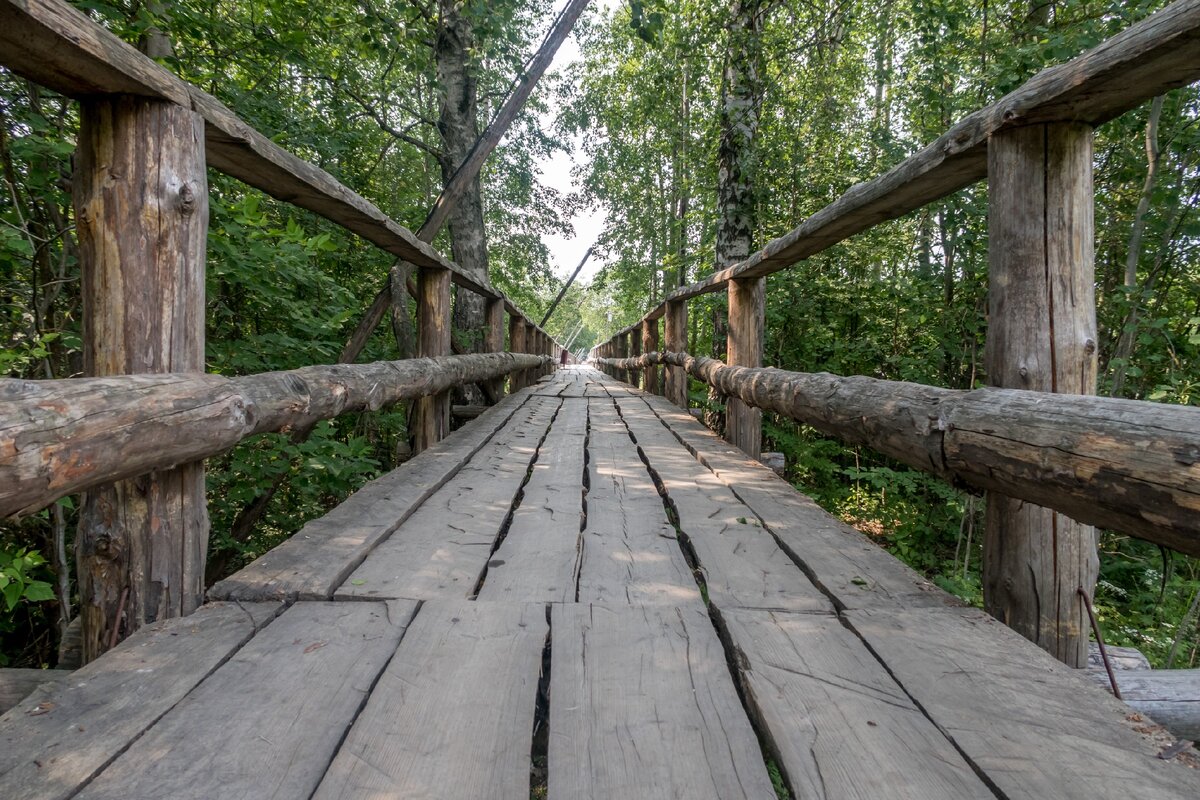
(583,589)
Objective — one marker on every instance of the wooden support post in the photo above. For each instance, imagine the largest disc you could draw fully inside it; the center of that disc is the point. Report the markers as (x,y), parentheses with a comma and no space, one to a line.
(431,415)
(623,352)
(650,345)
(141,205)
(744,345)
(493,339)
(1042,337)
(635,350)
(516,344)
(675,332)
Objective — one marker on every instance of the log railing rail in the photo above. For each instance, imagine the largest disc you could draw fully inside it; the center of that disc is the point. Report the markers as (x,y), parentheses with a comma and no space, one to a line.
(137,441)
(1132,466)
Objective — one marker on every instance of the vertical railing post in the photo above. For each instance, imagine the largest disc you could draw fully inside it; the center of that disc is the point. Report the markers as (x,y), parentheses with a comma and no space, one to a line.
(675,332)
(623,352)
(141,206)
(744,345)
(635,350)
(1042,337)
(431,415)
(650,345)
(493,338)
(516,344)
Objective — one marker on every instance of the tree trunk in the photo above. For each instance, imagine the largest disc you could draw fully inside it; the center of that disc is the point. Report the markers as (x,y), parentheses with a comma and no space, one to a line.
(141,200)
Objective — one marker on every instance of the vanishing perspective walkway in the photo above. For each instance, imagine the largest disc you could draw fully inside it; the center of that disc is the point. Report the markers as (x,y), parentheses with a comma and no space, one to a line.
(582,588)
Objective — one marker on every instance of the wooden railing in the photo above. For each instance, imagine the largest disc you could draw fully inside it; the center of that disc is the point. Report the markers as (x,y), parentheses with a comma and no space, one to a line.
(141,205)
(1105,462)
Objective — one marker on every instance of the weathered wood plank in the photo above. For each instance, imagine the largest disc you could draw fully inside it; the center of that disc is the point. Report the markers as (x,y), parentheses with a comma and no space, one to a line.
(1033,726)
(539,557)
(742,564)
(321,555)
(442,549)
(842,561)
(1130,465)
(16,684)
(1171,697)
(60,736)
(268,721)
(825,703)
(452,715)
(630,550)
(643,705)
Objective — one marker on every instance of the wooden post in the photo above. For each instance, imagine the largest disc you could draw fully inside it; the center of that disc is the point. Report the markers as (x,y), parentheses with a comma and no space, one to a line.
(744,344)
(493,338)
(650,345)
(1042,337)
(431,415)
(623,352)
(141,205)
(516,344)
(635,350)
(675,332)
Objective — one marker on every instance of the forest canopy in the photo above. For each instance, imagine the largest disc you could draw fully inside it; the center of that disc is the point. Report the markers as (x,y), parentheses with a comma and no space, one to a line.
(842,90)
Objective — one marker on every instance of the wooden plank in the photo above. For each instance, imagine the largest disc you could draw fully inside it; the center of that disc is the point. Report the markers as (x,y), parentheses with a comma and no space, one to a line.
(743,565)
(630,550)
(322,554)
(16,683)
(1171,697)
(267,722)
(442,549)
(452,715)
(643,705)
(538,560)
(824,703)
(850,568)
(1035,727)
(60,736)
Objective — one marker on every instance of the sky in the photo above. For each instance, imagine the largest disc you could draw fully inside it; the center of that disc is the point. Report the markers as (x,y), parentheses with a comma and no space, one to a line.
(556,172)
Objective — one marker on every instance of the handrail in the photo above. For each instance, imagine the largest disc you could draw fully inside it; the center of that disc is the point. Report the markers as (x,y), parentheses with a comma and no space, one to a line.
(1159,53)
(1124,464)
(57,46)
(60,437)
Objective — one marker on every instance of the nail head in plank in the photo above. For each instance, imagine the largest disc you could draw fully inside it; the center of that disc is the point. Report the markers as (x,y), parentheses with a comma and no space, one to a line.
(452,715)
(62,735)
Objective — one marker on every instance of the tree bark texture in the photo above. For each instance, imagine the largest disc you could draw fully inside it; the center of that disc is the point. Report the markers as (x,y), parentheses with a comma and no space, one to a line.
(431,413)
(1041,337)
(61,437)
(141,203)
(747,308)
(1130,465)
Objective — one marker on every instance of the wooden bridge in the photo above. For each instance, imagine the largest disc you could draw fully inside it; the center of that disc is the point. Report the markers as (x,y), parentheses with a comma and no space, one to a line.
(584,586)
(582,592)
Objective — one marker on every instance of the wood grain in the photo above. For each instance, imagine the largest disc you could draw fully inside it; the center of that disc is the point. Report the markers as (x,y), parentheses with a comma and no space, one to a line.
(539,557)
(825,702)
(630,551)
(452,715)
(17,683)
(60,736)
(1034,726)
(744,346)
(642,705)
(431,413)
(443,548)
(268,721)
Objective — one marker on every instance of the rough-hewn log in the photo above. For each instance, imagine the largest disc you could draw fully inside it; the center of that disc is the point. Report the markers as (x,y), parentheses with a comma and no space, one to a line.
(1129,465)
(141,201)
(744,344)
(1041,336)
(61,437)
(431,413)
(649,345)
(467,412)
(675,333)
